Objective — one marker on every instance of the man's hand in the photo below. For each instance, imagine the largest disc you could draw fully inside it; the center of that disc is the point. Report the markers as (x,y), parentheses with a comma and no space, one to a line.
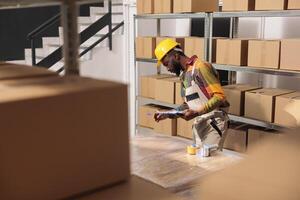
(159,117)
(190,114)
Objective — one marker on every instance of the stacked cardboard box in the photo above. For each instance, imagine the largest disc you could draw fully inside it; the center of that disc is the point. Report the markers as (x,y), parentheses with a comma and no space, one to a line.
(232,51)
(184,128)
(179,97)
(260,104)
(235,95)
(187,6)
(271,4)
(145,6)
(163,6)
(195,46)
(59,136)
(289,54)
(282,117)
(145,47)
(236,139)
(264,53)
(148,83)
(238,5)
(293,4)
(166,90)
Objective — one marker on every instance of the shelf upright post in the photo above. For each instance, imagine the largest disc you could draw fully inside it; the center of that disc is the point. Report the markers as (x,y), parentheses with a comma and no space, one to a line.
(208,34)
(234,23)
(136,75)
(158,34)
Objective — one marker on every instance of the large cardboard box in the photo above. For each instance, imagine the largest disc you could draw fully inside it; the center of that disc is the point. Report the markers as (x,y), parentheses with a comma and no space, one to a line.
(146,115)
(145,6)
(145,47)
(179,40)
(179,97)
(236,139)
(184,128)
(163,6)
(135,189)
(282,117)
(257,137)
(289,54)
(232,51)
(187,6)
(166,127)
(293,4)
(14,71)
(165,90)
(260,104)
(270,4)
(59,137)
(194,46)
(238,5)
(148,84)
(235,95)
(264,53)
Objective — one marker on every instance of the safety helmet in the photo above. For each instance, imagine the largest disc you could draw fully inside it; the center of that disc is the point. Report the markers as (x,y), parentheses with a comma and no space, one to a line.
(163,48)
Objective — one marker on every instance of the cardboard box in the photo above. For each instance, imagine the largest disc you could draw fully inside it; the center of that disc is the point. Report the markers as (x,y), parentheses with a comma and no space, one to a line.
(293,4)
(135,189)
(232,51)
(179,40)
(282,117)
(145,6)
(145,47)
(59,135)
(194,46)
(257,137)
(166,127)
(179,99)
(148,84)
(236,139)
(165,90)
(238,5)
(235,95)
(163,6)
(289,54)
(14,71)
(146,115)
(271,4)
(187,6)
(260,104)
(184,128)
(264,53)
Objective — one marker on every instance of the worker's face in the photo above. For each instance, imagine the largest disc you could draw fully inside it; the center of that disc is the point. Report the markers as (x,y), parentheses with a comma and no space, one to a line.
(171,62)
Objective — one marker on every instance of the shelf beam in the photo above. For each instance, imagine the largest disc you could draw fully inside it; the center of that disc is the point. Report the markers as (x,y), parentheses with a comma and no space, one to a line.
(172,16)
(282,13)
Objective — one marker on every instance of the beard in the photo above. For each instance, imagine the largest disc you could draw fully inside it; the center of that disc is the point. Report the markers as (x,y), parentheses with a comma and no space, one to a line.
(176,68)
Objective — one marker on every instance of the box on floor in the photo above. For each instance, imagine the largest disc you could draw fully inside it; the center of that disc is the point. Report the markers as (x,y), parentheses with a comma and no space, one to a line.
(235,95)
(52,124)
(264,53)
(260,104)
(282,117)
(236,139)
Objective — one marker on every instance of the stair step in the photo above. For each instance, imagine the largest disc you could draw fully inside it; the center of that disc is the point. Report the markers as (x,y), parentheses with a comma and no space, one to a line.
(81,20)
(115,18)
(51,40)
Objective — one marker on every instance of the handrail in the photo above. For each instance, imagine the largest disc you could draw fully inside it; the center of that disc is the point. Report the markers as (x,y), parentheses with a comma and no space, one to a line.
(96,43)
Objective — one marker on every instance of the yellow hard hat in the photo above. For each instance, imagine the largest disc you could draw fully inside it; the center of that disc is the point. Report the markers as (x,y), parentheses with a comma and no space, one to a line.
(163,48)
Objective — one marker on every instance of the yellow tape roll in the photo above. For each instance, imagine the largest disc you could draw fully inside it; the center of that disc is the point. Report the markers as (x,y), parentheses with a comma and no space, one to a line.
(191,150)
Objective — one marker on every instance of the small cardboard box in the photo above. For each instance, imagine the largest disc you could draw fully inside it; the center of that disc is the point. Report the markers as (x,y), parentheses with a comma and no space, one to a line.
(256,137)
(163,6)
(145,47)
(289,54)
(184,128)
(14,71)
(293,4)
(165,90)
(148,84)
(187,6)
(264,53)
(232,52)
(235,95)
(146,115)
(271,4)
(260,104)
(179,40)
(145,6)
(238,5)
(236,139)
(282,117)
(57,134)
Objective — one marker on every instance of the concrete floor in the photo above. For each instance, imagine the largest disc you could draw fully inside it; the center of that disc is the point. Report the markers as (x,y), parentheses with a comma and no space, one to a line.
(163,160)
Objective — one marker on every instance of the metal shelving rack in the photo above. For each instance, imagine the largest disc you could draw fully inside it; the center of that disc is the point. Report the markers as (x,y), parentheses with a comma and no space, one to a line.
(209,17)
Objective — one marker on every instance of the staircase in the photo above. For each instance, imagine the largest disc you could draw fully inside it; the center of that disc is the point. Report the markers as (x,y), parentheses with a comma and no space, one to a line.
(50,44)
